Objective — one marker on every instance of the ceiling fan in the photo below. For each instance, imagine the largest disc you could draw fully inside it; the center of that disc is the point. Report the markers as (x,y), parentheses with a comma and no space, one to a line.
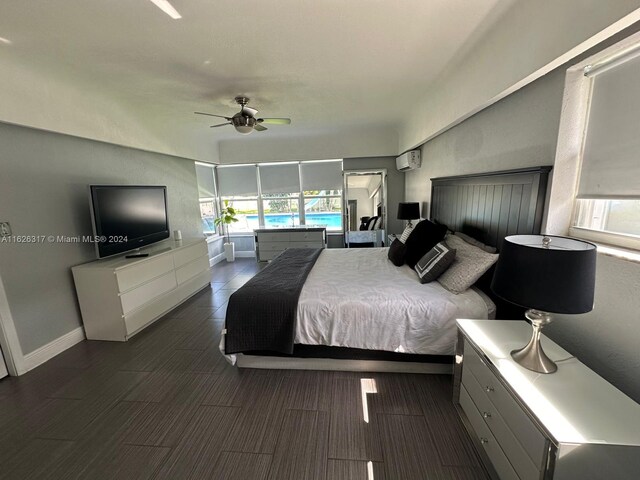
(245,120)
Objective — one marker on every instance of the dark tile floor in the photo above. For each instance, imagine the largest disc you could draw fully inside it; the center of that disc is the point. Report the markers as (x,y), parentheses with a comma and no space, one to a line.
(166,405)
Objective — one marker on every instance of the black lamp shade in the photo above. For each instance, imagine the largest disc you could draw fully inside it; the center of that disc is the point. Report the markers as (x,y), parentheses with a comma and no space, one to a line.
(557,279)
(408,210)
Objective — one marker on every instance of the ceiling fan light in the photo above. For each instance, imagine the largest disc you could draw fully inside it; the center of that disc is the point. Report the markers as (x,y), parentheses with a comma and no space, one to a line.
(244,129)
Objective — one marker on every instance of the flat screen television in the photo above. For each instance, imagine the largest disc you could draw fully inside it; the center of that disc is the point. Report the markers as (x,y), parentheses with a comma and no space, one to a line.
(126,217)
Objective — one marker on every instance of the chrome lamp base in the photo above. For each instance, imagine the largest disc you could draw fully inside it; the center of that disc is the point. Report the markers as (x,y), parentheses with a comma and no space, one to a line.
(532,357)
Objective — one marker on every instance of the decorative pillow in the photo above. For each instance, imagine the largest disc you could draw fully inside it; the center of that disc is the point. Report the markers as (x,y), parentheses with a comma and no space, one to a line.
(424,237)
(397,251)
(475,243)
(469,265)
(434,262)
(407,231)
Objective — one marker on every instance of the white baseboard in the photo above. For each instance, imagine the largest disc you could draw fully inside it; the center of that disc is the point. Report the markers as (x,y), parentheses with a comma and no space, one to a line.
(245,254)
(51,349)
(217,259)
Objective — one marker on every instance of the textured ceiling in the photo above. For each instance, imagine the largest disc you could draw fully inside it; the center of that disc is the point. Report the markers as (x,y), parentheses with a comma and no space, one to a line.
(327,64)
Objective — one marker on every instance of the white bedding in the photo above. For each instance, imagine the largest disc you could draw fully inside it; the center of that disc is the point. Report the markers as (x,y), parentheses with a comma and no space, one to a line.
(357,298)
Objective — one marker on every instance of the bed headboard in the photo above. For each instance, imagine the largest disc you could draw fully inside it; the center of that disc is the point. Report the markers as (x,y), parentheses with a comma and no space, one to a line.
(489,207)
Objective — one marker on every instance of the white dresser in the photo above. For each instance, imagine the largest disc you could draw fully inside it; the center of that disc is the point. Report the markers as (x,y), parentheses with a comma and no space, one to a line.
(568,425)
(120,296)
(270,242)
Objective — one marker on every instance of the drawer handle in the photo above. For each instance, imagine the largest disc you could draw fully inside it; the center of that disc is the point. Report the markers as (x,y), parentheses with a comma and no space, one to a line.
(484,440)
(488,388)
(486,415)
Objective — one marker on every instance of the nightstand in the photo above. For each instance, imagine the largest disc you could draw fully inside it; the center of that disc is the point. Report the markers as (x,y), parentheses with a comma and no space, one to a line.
(567,425)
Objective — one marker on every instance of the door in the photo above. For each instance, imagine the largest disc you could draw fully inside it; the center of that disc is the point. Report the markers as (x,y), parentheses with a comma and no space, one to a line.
(3,367)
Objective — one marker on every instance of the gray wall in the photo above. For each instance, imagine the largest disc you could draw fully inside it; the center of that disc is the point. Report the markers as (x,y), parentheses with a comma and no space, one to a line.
(43,191)
(521,131)
(395,185)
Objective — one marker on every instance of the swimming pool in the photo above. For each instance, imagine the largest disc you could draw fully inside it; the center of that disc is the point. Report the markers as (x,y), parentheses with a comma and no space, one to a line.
(330,220)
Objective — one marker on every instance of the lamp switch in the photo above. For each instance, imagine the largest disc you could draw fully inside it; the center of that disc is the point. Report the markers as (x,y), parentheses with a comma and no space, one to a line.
(5,229)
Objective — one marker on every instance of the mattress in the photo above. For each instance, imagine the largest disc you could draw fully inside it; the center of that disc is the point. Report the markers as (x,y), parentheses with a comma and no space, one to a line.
(357,298)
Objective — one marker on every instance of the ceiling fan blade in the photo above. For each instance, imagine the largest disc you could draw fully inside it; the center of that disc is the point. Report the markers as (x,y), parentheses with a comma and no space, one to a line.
(212,115)
(248,111)
(275,121)
(220,125)
(259,127)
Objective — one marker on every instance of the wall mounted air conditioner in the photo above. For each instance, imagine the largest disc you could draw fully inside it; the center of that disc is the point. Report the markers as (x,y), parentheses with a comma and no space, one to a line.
(408,161)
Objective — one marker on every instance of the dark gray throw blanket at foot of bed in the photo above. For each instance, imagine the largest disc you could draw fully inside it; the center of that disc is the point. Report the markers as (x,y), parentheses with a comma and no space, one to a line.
(262,314)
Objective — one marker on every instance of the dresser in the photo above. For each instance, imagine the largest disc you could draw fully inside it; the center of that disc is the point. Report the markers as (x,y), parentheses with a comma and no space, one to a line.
(271,242)
(120,296)
(568,425)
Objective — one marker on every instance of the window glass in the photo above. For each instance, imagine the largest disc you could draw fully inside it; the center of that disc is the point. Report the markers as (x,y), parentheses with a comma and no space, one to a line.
(208,215)
(616,216)
(323,208)
(246,213)
(280,210)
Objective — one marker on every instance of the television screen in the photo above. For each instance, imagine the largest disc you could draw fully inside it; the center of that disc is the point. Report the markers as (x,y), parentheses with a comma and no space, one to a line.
(128,217)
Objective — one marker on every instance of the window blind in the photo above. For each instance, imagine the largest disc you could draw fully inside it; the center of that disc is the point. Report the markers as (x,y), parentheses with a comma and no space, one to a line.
(206,185)
(321,175)
(280,178)
(611,157)
(241,181)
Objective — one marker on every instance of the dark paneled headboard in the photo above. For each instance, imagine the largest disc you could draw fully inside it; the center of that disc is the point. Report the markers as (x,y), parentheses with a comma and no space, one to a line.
(489,207)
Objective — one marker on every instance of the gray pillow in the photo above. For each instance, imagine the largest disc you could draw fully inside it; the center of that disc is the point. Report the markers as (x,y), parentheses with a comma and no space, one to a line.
(469,265)
(434,262)
(475,243)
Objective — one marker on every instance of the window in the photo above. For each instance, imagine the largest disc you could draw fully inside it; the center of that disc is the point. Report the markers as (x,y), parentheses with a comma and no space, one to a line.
(607,207)
(205,175)
(322,194)
(323,208)
(246,213)
(271,194)
(238,184)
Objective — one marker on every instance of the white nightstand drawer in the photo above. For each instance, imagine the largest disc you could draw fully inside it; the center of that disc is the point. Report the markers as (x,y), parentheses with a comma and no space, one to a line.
(305,245)
(487,440)
(532,440)
(518,457)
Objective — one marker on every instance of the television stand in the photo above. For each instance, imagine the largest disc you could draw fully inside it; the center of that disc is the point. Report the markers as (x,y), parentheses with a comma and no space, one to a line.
(119,296)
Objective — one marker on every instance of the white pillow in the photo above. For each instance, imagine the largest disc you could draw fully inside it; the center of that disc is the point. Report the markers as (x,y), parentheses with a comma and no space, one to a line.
(407,231)
(469,265)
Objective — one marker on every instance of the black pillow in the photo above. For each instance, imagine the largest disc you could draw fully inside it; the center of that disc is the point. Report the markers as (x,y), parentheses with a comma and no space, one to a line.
(397,251)
(423,238)
(435,262)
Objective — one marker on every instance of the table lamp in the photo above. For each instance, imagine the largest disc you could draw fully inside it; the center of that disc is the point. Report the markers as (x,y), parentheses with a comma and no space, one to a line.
(408,211)
(546,274)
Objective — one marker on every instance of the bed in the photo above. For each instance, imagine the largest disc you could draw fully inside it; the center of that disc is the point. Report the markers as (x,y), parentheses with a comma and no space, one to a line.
(357,311)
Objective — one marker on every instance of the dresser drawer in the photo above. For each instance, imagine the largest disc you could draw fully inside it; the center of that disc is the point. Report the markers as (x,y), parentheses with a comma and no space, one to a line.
(273,236)
(139,273)
(519,459)
(272,246)
(192,269)
(305,245)
(185,255)
(516,420)
(487,441)
(316,237)
(145,293)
